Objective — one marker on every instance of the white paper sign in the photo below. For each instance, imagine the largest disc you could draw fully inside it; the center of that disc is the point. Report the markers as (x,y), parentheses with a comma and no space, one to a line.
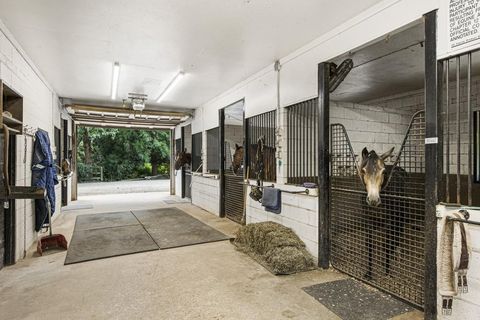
(431,140)
(463,24)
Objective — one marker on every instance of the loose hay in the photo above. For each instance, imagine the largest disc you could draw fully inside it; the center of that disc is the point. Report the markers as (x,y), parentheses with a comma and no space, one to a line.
(274,246)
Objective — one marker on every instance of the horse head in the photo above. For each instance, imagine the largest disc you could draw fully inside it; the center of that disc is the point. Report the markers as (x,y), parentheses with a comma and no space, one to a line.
(182,158)
(237,158)
(372,172)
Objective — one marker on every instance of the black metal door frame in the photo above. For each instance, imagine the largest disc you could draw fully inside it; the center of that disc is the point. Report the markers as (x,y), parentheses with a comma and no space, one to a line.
(64,156)
(433,155)
(172,161)
(221,145)
(183,174)
(9,213)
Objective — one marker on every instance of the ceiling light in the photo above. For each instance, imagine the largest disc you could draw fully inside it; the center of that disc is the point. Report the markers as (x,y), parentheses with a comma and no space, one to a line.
(115,76)
(172,83)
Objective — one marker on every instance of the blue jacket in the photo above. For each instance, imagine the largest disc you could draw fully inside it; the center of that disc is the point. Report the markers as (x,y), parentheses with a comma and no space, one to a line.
(44,175)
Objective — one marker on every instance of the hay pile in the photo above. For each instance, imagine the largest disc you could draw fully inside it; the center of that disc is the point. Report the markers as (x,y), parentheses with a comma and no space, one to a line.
(274,246)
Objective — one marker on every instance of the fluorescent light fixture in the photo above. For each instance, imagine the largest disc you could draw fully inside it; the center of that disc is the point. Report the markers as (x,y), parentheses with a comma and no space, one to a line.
(115,76)
(172,83)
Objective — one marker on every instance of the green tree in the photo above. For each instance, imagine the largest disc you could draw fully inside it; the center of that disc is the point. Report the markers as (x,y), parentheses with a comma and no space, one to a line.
(123,153)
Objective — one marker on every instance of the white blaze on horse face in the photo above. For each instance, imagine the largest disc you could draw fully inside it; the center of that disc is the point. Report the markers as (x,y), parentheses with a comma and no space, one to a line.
(372,172)
(373,183)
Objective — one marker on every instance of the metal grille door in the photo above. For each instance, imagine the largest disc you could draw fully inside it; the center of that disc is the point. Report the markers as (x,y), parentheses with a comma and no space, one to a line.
(383,246)
(234,196)
(262,125)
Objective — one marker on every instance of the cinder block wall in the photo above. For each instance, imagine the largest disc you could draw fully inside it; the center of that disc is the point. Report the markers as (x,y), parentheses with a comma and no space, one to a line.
(40,110)
(205,193)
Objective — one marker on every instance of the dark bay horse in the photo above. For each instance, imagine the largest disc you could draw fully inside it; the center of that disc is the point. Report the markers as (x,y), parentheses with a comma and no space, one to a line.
(265,157)
(378,177)
(182,158)
(237,159)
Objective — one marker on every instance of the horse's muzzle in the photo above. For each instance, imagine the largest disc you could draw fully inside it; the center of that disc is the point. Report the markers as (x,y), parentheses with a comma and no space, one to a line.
(373,202)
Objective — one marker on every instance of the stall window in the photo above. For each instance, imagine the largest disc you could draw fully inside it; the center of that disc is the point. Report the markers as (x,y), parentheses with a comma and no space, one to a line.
(196,151)
(213,150)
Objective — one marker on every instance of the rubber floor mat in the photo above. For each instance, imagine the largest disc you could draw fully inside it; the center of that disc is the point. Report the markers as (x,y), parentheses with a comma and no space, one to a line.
(352,300)
(99,243)
(172,227)
(105,220)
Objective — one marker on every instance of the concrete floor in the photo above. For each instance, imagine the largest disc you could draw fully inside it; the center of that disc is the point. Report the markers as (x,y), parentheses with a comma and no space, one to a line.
(208,281)
(127,186)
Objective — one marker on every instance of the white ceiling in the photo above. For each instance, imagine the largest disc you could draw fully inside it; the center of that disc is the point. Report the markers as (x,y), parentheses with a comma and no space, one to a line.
(218,43)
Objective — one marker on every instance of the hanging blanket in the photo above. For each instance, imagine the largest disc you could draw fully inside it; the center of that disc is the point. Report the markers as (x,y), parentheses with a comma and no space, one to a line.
(272,200)
(454,252)
(44,175)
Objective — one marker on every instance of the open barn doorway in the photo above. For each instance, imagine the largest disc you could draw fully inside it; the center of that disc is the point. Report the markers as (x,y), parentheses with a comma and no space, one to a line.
(376,164)
(122,160)
(232,161)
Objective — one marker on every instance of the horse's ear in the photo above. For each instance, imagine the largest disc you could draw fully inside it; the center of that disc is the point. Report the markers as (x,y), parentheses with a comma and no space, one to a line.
(185,150)
(387,154)
(364,153)
(237,146)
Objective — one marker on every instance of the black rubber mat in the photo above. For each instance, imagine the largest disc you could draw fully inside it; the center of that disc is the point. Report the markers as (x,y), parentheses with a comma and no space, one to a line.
(352,300)
(105,220)
(108,242)
(172,227)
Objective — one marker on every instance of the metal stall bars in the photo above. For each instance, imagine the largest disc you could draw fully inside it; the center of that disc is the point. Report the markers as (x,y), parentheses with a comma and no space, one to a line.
(383,246)
(187,169)
(302,142)
(213,150)
(262,125)
(462,132)
(197,152)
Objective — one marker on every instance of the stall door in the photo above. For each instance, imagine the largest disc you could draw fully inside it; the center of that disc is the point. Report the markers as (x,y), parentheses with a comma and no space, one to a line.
(233,158)
(383,246)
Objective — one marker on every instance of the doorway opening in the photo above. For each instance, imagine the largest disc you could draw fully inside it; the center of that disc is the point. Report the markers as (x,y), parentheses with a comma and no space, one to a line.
(122,160)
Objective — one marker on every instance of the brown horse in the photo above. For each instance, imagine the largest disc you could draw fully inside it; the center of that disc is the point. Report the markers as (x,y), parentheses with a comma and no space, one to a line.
(237,158)
(263,158)
(373,171)
(182,158)
(375,176)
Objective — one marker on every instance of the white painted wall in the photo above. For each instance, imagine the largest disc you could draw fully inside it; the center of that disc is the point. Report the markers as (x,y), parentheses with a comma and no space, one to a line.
(40,110)
(298,79)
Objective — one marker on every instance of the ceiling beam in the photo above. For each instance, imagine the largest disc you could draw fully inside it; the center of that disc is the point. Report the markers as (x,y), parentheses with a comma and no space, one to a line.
(124,121)
(96,108)
(119,126)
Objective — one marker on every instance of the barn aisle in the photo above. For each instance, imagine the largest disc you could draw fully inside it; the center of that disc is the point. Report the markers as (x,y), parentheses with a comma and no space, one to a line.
(207,281)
